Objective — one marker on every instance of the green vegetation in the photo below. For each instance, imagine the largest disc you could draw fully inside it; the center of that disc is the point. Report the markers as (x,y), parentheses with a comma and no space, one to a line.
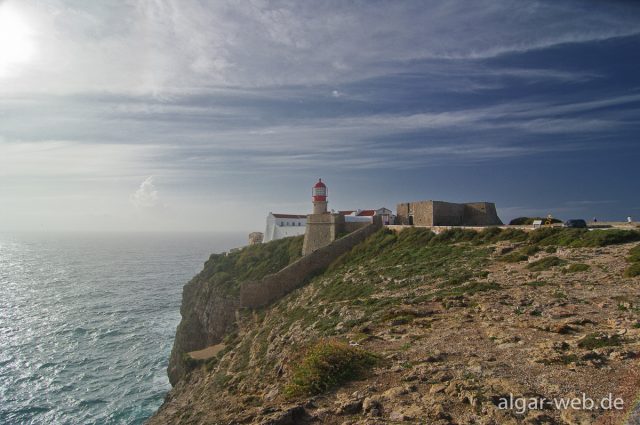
(577,238)
(251,262)
(595,340)
(633,270)
(406,259)
(536,283)
(634,258)
(528,221)
(468,289)
(546,263)
(634,254)
(514,257)
(329,364)
(576,268)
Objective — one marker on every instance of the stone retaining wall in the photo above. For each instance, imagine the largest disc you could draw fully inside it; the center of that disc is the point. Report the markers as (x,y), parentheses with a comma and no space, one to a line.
(259,293)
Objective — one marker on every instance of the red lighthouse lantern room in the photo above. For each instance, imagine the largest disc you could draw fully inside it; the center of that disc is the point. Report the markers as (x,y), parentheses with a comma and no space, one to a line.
(319,197)
(319,192)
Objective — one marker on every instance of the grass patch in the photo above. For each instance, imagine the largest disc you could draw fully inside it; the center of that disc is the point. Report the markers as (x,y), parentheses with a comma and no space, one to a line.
(595,340)
(514,257)
(530,250)
(468,289)
(327,365)
(633,270)
(576,268)
(578,238)
(634,258)
(546,263)
(536,283)
(634,254)
(228,270)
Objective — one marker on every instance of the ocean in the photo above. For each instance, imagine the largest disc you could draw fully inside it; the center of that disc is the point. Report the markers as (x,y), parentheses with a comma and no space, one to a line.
(87,322)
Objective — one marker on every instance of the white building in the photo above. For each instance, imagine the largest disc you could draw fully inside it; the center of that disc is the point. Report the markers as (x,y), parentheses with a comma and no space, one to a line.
(367,215)
(284,225)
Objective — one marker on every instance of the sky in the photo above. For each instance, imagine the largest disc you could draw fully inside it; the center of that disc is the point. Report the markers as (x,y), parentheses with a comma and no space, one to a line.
(181,115)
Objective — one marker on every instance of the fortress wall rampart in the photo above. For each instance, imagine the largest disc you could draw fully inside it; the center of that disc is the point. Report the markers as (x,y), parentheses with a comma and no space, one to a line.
(273,287)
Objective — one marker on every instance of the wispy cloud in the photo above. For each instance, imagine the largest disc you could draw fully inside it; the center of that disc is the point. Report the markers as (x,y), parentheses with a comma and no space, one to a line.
(187,45)
(225,98)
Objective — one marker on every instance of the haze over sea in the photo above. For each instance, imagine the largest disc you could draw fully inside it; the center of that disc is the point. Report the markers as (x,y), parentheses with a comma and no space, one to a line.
(87,322)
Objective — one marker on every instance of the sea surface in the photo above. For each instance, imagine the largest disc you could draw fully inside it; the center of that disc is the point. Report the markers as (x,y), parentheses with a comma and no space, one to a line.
(87,322)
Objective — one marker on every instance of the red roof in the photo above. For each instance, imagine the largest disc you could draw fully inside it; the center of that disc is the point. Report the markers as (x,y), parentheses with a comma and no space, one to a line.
(346,212)
(289,216)
(320,184)
(367,213)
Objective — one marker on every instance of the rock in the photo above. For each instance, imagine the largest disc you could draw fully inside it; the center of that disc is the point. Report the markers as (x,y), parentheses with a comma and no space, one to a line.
(292,416)
(372,406)
(576,417)
(271,395)
(349,407)
(395,392)
(538,418)
(561,328)
(504,249)
(435,356)
(437,388)
(438,411)
(397,416)
(452,389)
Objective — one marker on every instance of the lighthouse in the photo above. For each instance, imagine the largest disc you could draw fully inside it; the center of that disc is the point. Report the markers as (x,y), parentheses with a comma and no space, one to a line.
(319,197)
(323,227)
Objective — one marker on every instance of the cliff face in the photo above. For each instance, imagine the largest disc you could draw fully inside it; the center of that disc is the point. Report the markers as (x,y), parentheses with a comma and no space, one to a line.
(454,322)
(208,314)
(211,298)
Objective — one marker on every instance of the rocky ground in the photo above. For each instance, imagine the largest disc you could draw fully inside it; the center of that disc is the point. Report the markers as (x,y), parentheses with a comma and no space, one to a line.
(457,329)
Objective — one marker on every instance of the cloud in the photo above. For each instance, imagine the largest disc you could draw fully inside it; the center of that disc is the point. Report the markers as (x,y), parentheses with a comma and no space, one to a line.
(177,46)
(146,196)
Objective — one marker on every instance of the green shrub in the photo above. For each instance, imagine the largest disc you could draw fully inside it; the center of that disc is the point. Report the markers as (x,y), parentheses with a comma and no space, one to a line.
(329,364)
(633,270)
(513,257)
(189,362)
(634,258)
(515,235)
(528,221)
(582,237)
(530,250)
(455,235)
(634,254)
(251,262)
(577,267)
(546,263)
(468,289)
(596,340)
(610,237)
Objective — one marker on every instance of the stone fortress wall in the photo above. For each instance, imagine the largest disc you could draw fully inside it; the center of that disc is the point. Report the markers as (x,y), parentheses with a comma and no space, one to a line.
(273,287)
(440,213)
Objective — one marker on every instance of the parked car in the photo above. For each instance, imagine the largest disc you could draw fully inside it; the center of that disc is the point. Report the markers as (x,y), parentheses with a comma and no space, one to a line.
(576,224)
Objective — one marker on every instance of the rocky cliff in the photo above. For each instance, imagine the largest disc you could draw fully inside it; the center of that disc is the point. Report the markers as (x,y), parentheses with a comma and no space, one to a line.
(210,300)
(412,327)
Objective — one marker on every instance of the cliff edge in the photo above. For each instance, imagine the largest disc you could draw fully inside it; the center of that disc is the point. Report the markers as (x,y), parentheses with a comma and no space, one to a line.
(210,300)
(413,327)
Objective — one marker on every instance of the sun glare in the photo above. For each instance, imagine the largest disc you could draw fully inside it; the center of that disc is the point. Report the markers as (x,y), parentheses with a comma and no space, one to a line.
(16,40)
